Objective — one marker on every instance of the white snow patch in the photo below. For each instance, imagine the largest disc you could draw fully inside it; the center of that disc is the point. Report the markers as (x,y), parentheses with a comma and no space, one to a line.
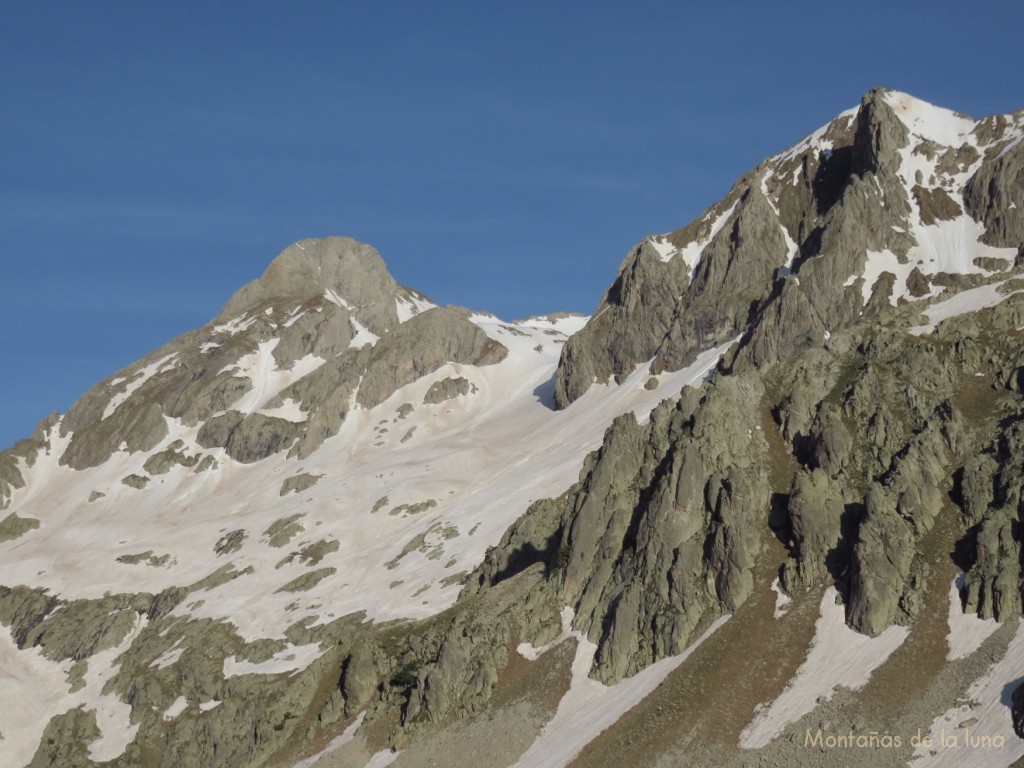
(970,300)
(930,122)
(984,715)
(206,346)
(113,716)
(362,335)
(237,325)
(289,410)
(530,653)
(838,656)
(588,708)
(346,736)
(966,631)
(567,325)
(382,759)
(34,689)
(334,298)
(409,305)
(295,314)
(206,706)
(815,140)
(180,705)
(691,252)
(663,247)
(484,460)
(782,600)
(885,261)
(169,658)
(292,659)
(267,379)
(946,246)
(136,380)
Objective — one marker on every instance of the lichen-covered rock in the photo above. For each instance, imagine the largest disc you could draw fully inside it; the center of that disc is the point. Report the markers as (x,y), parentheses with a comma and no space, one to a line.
(138,482)
(137,426)
(447,388)
(660,533)
(816,509)
(14,526)
(299,483)
(992,486)
(882,560)
(162,462)
(231,542)
(420,346)
(248,439)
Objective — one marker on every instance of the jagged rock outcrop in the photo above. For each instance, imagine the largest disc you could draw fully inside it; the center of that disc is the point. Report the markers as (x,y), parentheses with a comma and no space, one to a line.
(248,438)
(310,302)
(447,388)
(421,346)
(313,303)
(995,194)
(815,213)
(662,531)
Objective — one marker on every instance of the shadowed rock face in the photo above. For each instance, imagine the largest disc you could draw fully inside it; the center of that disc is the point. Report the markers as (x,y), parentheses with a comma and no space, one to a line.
(812,213)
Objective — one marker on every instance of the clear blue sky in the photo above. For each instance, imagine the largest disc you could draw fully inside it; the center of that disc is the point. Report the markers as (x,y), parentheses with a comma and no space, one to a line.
(155,156)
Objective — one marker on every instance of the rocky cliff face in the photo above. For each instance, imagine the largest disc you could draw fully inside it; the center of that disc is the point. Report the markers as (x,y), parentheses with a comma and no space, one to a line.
(340,512)
(890,202)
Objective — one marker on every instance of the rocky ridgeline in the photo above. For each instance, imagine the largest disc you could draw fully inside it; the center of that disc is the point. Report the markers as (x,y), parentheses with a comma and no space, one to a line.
(874,443)
(782,258)
(310,306)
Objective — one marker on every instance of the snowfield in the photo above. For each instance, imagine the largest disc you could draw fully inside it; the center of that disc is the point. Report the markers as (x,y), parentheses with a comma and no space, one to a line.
(388,562)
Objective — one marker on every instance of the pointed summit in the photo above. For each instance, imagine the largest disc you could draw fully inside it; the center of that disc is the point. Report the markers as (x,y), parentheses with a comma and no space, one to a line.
(343,269)
(879,207)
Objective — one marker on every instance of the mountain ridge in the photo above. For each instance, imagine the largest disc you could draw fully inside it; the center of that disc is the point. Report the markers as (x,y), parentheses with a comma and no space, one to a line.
(340,509)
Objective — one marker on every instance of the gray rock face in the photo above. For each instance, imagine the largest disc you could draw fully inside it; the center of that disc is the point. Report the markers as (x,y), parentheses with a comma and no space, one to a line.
(857,451)
(992,485)
(660,533)
(421,346)
(823,211)
(815,518)
(138,427)
(446,389)
(13,526)
(309,302)
(173,456)
(299,483)
(354,271)
(995,195)
(248,438)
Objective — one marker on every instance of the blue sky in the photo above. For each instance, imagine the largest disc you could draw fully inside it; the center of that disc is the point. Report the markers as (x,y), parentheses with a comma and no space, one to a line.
(156,156)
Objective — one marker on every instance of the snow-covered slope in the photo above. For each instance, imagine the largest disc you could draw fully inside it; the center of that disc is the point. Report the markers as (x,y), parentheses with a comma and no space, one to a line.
(385,518)
(326,520)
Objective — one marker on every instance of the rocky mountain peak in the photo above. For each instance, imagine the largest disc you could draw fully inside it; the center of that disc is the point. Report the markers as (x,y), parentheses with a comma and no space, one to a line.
(892,202)
(341,519)
(341,268)
(880,133)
